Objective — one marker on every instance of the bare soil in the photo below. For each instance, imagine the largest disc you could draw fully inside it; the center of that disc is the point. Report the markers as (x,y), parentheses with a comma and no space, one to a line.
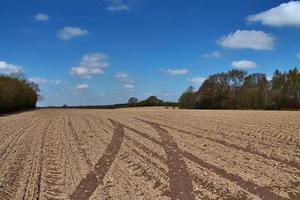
(149,153)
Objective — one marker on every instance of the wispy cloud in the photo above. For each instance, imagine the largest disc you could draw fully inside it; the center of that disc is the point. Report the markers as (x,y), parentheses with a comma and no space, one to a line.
(118,5)
(39,81)
(121,76)
(68,32)
(129,86)
(214,54)
(6,68)
(175,72)
(91,65)
(244,39)
(42,17)
(197,80)
(298,55)
(286,14)
(244,64)
(83,86)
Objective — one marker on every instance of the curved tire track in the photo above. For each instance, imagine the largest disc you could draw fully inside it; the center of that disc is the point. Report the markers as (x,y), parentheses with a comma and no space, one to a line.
(94,178)
(263,193)
(180,182)
(237,147)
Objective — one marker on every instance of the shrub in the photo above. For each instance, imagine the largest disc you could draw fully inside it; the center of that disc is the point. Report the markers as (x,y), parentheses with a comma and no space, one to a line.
(16,93)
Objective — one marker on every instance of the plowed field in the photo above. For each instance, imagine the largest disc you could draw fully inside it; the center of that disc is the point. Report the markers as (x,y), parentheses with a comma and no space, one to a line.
(150,153)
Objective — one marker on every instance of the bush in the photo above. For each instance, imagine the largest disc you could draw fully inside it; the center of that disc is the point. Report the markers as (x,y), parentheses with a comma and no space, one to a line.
(17,93)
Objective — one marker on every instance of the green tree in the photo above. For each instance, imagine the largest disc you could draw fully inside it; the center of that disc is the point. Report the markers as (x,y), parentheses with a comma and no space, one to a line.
(132,100)
(188,99)
(16,93)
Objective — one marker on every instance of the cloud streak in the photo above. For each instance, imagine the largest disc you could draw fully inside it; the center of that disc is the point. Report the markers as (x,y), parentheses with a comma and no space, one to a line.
(214,54)
(42,17)
(37,80)
(83,86)
(118,5)
(244,64)
(128,86)
(121,76)
(175,72)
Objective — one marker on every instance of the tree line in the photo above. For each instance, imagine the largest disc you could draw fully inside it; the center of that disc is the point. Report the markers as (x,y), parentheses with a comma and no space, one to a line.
(236,89)
(17,93)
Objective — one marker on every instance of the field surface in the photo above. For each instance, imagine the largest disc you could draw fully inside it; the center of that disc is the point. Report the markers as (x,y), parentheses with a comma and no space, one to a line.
(144,153)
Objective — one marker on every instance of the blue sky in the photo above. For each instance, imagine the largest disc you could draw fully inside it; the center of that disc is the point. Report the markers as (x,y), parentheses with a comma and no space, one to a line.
(105,51)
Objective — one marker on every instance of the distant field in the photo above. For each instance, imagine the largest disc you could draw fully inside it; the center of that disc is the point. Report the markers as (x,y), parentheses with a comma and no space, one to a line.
(150,153)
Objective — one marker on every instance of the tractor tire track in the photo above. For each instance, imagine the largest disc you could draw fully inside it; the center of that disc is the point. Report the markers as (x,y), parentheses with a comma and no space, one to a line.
(180,182)
(51,177)
(14,174)
(237,147)
(244,149)
(263,193)
(36,162)
(94,178)
(163,160)
(249,186)
(79,144)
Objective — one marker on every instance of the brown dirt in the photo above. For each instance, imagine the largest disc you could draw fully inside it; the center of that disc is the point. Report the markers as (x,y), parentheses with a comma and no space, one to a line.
(150,153)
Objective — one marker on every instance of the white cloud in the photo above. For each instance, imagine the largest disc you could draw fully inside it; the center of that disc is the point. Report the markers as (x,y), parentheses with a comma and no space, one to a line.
(244,64)
(118,5)
(7,68)
(215,54)
(175,72)
(121,76)
(82,86)
(128,86)
(244,39)
(42,17)
(91,65)
(286,14)
(39,81)
(198,80)
(68,32)
(298,55)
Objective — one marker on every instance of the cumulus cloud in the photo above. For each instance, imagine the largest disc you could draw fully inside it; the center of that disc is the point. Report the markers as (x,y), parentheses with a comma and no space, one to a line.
(128,86)
(82,86)
(6,68)
(286,14)
(91,65)
(215,54)
(244,64)
(118,5)
(244,39)
(175,72)
(42,17)
(39,81)
(198,80)
(68,32)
